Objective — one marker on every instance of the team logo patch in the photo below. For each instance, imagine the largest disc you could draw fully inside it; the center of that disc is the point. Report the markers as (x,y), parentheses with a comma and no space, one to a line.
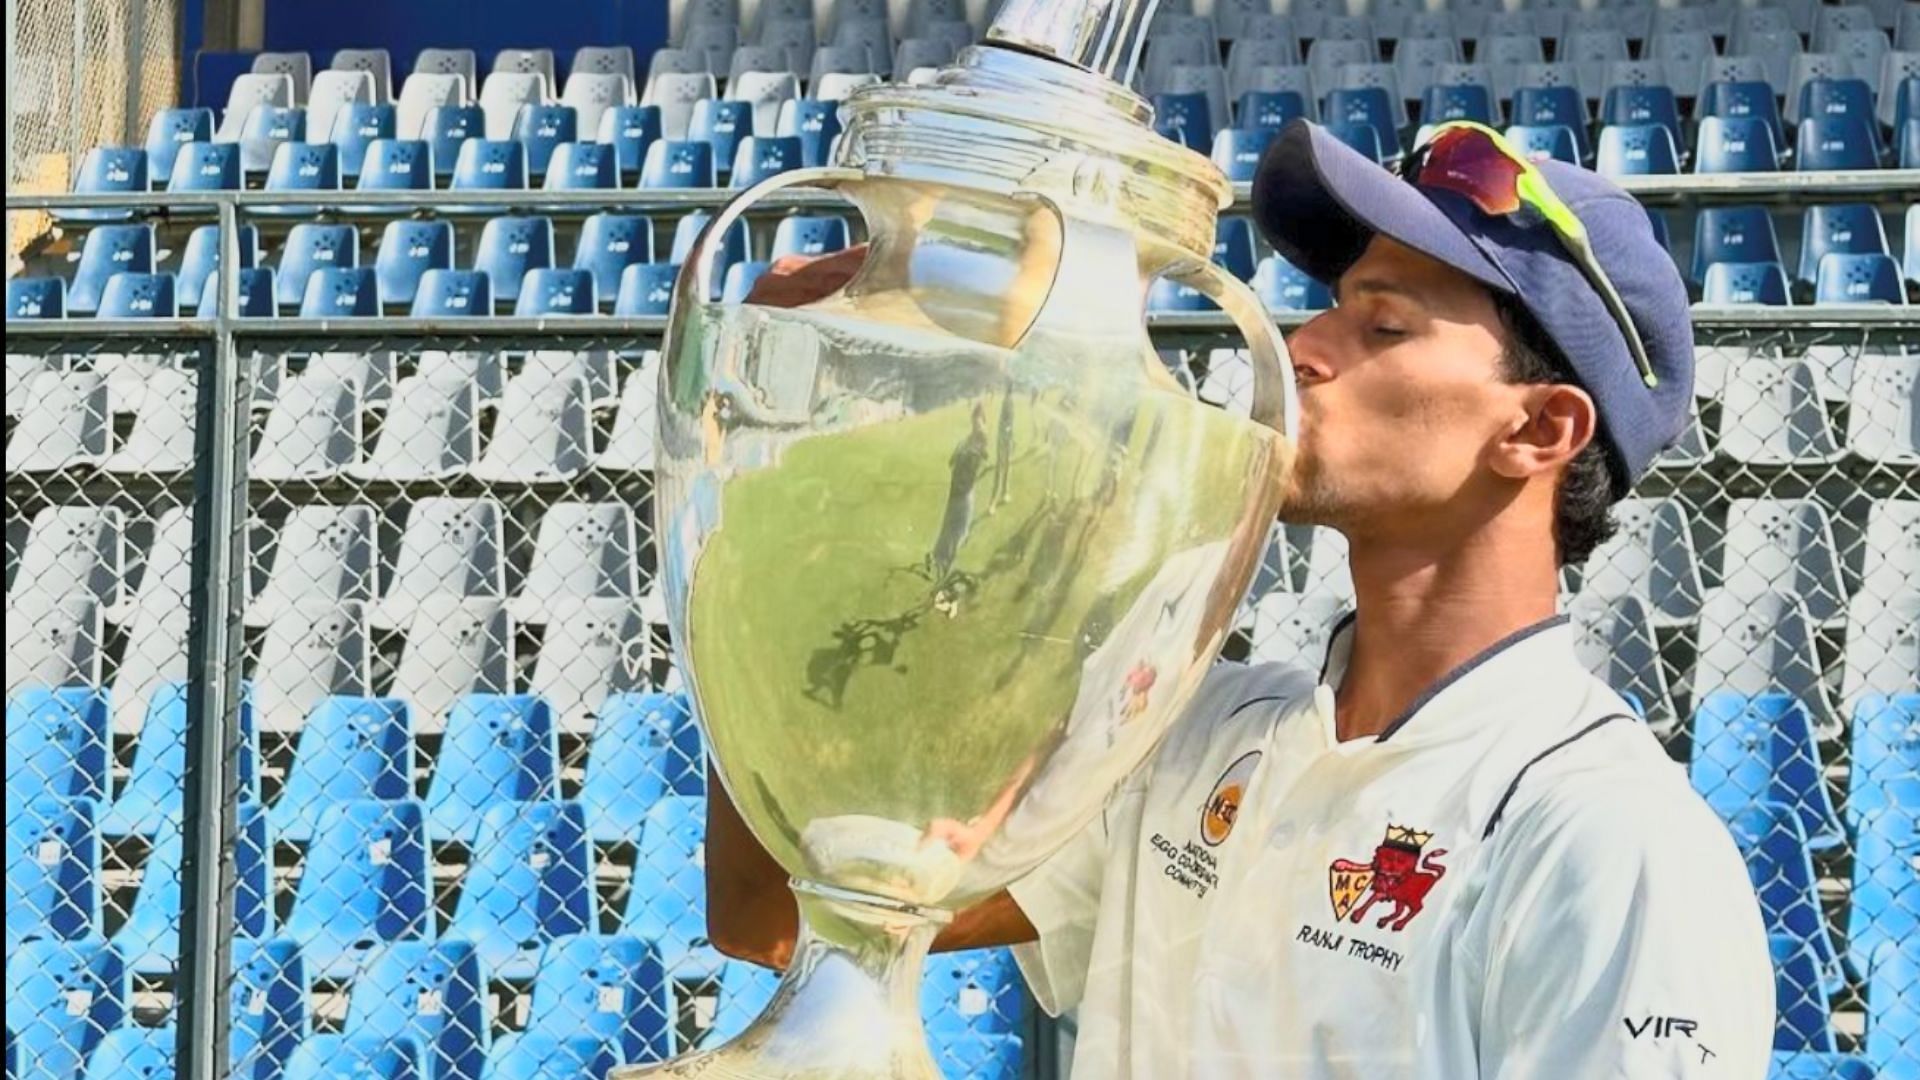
(1222,807)
(1397,874)
(1136,690)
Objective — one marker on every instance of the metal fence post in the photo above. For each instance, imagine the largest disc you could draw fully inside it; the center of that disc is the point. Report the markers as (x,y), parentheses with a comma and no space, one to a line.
(213,687)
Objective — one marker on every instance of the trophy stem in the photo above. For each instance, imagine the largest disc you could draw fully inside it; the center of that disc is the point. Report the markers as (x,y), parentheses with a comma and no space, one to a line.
(849,1005)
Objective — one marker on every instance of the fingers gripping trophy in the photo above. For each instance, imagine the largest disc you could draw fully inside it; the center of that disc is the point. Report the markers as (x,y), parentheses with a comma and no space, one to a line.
(947,549)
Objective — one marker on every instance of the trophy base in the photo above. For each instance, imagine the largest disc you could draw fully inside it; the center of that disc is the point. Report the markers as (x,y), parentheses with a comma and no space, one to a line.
(848,1007)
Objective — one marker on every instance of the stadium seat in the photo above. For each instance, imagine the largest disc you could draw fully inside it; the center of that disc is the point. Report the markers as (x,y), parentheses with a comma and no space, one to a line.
(36,298)
(1268,109)
(723,125)
(1884,907)
(447,131)
(150,800)
(1616,641)
(612,990)
(506,96)
(71,425)
(1237,151)
(269,1007)
(769,93)
(397,165)
(978,992)
(1899,97)
(645,289)
(1364,138)
(809,235)
(66,996)
(53,872)
(313,432)
(1553,106)
(1885,757)
(161,440)
(1168,295)
(106,251)
(583,166)
(1759,674)
(1804,1021)
(531,883)
(139,296)
(488,165)
(1367,107)
(451,547)
(1786,545)
(672,164)
(375,62)
(1893,1018)
(523,1056)
(314,648)
(745,990)
(57,742)
(645,746)
(430,432)
(1185,119)
(582,550)
(630,129)
(365,882)
(350,748)
(455,647)
(343,101)
(324,553)
(427,92)
(1233,246)
(109,170)
(1882,653)
(149,941)
(268,128)
(554,291)
(1650,556)
(1283,287)
(168,132)
(508,248)
(1774,845)
(668,902)
(541,128)
(354,1057)
(1743,100)
(1732,234)
(72,550)
(1542,142)
(499,748)
(1840,229)
(1858,279)
(1639,105)
(592,648)
(408,250)
(758,158)
(310,248)
(543,432)
(1732,144)
(201,257)
(1834,98)
(1826,143)
(248,94)
(1636,150)
(1907,145)
(630,447)
(336,292)
(1881,420)
(1442,103)
(592,95)
(675,93)
(1763,283)
(145,1052)
(429,995)
(815,123)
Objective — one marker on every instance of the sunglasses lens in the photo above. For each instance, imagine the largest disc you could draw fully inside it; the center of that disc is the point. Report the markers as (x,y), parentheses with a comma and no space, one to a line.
(1467,162)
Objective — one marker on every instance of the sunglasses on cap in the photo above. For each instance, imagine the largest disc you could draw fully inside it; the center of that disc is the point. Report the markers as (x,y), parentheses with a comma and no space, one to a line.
(1476,161)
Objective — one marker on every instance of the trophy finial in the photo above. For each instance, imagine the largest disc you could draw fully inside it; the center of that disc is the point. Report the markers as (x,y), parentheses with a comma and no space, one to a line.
(1103,36)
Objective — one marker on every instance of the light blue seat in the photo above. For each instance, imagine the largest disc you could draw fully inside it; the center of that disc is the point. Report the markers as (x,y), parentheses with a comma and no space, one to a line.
(453,294)
(611,989)
(340,292)
(1832,143)
(630,129)
(1804,1011)
(646,289)
(1364,138)
(149,942)
(1752,750)
(152,797)
(311,247)
(964,1055)
(1172,296)
(1762,283)
(1743,100)
(508,248)
(1270,109)
(1233,246)
(668,902)
(139,296)
(1636,150)
(671,164)
(1649,104)
(108,250)
(1732,234)
(1735,144)
(523,1056)
(541,128)
(268,1009)
(809,235)
(583,166)
(609,243)
(1543,141)
(356,127)
(745,990)
(53,871)
(531,882)
(1805,1065)
(1554,106)
(133,1053)
(488,165)
(62,997)
(1885,905)
(354,1057)
(977,991)
(1365,107)
(645,745)
(167,132)
(351,748)
(447,131)
(1871,278)
(815,123)
(762,156)
(408,249)
(1775,848)
(108,170)
(56,744)
(397,165)
(257,290)
(200,258)
(206,167)
(722,125)
(498,748)
(1893,1009)
(1885,770)
(1839,229)
(551,290)
(432,996)
(365,883)
(1184,118)
(1237,151)
(739,281)
(304,167)
(37,298)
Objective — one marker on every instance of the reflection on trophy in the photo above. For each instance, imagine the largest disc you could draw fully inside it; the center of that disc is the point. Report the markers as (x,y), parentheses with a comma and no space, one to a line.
(946,551)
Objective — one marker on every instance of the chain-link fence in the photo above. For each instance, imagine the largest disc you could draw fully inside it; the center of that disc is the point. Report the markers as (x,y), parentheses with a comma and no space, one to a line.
(463,823)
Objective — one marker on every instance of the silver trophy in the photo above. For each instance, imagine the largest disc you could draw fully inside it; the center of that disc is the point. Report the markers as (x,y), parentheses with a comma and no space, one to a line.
(946,551)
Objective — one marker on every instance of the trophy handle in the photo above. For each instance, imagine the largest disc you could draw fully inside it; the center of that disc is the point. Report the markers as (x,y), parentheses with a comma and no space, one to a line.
(1276,396)
(698,279)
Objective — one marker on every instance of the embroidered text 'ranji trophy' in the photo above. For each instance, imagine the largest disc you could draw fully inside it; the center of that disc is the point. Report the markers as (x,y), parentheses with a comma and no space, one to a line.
(946,551)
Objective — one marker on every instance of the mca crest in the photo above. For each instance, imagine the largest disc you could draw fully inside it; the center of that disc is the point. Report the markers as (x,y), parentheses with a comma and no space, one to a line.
(1397,874)
(1222,808)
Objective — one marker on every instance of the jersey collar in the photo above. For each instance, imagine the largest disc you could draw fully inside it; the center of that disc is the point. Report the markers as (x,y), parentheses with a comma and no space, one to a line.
(1548,635)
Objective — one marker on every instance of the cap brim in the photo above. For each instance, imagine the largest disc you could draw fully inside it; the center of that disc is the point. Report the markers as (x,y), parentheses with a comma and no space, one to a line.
(1319,202)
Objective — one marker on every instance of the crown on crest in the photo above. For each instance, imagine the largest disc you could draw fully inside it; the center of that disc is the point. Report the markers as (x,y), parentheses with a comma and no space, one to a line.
(1403,836)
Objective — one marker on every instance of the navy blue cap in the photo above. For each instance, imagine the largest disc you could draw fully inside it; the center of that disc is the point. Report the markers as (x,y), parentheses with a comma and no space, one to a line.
(1319,202)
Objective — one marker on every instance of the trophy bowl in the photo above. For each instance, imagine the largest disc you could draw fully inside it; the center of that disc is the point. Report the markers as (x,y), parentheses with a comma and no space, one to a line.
(946,551)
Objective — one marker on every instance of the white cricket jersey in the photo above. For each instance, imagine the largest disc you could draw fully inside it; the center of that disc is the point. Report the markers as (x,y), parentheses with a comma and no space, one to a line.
(1514,880)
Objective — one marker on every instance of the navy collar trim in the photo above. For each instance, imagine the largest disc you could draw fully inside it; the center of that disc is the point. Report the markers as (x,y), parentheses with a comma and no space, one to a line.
(1465,669)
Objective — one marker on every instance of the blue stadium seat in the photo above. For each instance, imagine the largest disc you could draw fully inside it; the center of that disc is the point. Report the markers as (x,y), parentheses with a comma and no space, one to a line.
(358,126)
(1829,143)
(56,744)
(645,289)
(1893,1009)
(1805,1065)
(1440,104)
(354,1057)
(508,248)
(257,291)
(964,1055)
(351,748)
(486,165)
(1885,746)
(1751,100)
(1237,151)
(1839,228)
(432,995)
(977,991)
(340,292)
(1637,105)
(555,291)
(1285,287)
(1837,97)
(397,165)
(139,296)
(63,997)
(149,942)
(1171,296)
(1734,234)
(1751,751)
(1907,145)
(1364,107)
(130,1052)
(612,989)
(609,243)
(37,298)
(269,1007)
(1775,849)
(583,166)
(53,871)
(408,250)
(1550,106)
(1184,118)
(722,125)
(1636,150)
(630,129)
(689,228)
(1362,137)
(1270,109)
(745,990)
(304,167)
(1858,279)
(669,899)
(1746,283)
(312,247)
(108,250)
(448,130)
(168,131)
(645,745)
(1804,1021)
(1885,903)
(740,280)
(683,164)
(1543,141)
(809,235)
(531,882)
(524,1056)
(201,257)
(1233,246)
(542,128)
(498,748)
(1727,144)
(760,157)
(109,170)
(1658,219)
(206,167)
(815,123)
(150,799)
(1906,101)
(365,882)
(268,127)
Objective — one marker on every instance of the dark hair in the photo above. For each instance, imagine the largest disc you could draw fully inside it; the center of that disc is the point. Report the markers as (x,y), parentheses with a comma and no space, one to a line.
(1583,509)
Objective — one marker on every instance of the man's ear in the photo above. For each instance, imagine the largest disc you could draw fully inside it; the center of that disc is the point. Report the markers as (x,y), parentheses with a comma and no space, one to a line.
(1556,422)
